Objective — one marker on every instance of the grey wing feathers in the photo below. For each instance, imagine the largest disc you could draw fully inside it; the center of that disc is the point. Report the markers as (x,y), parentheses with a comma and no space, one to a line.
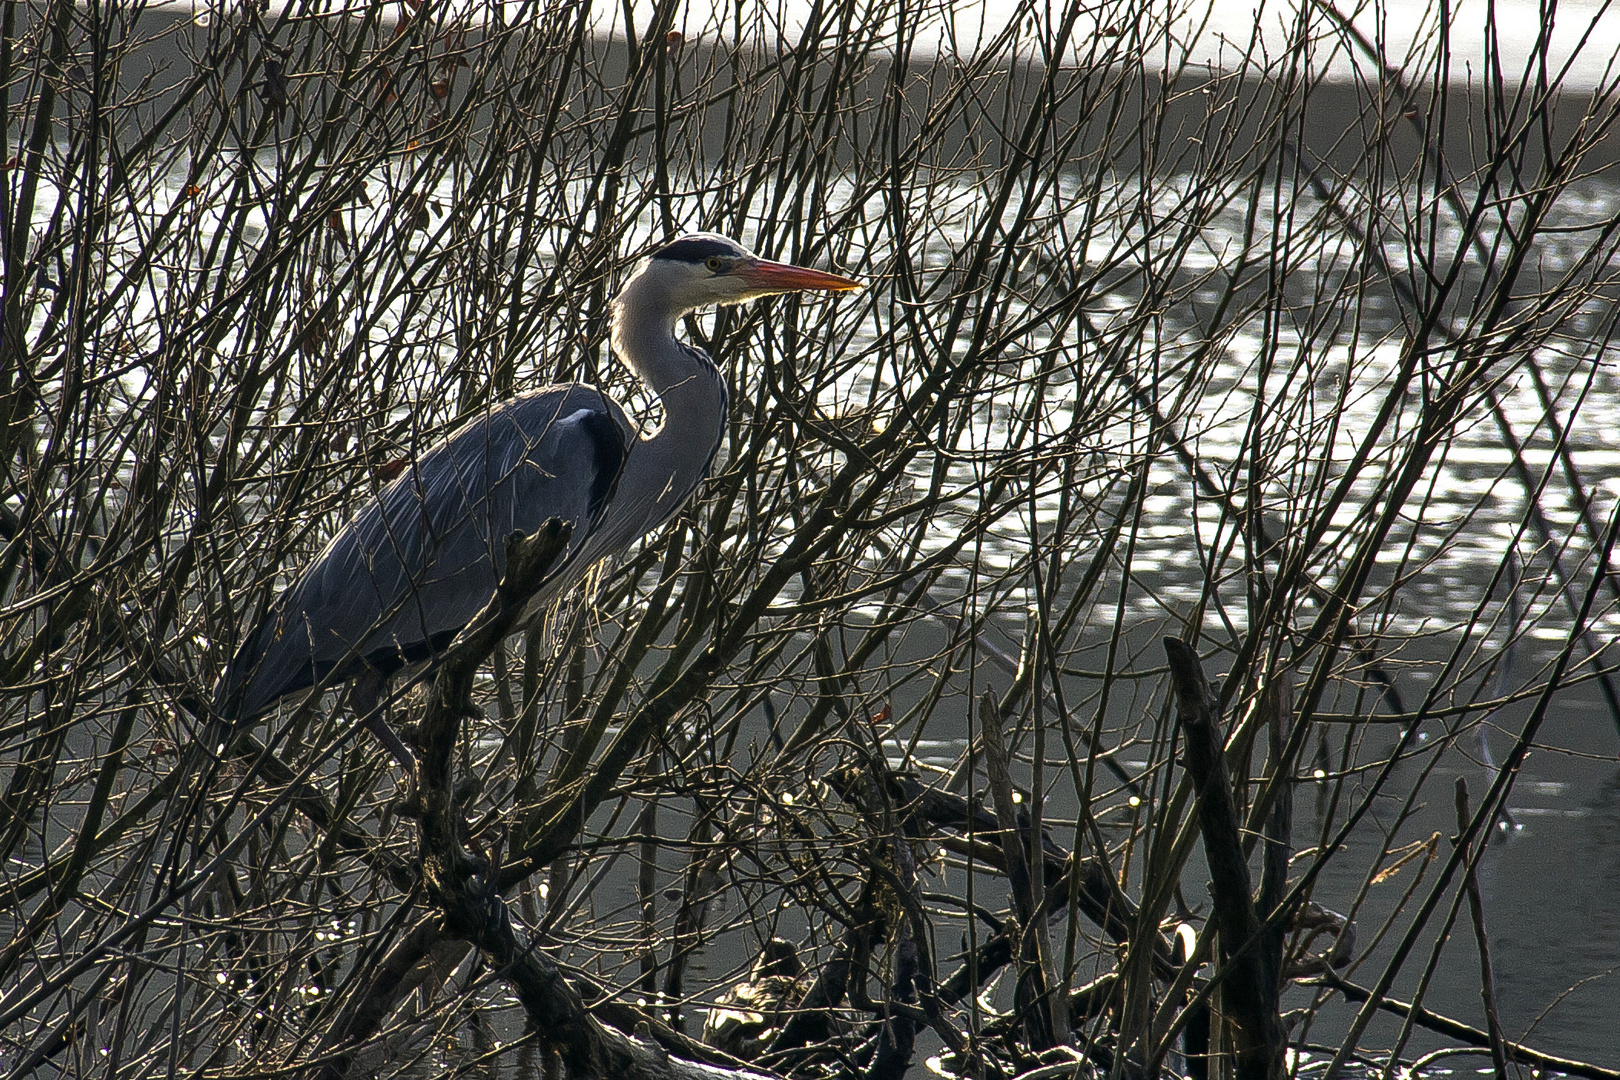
(423,558)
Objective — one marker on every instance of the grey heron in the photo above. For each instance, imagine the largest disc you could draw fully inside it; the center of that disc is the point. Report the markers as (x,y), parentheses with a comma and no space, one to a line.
(398,583)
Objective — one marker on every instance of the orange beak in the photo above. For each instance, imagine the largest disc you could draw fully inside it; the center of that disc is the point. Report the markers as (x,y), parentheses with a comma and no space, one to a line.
(780,277)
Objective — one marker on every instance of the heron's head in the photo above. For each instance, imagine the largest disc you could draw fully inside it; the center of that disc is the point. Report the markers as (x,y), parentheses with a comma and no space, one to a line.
(702,270)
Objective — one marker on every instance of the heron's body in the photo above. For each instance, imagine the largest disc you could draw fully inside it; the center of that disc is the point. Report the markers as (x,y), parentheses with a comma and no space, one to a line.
(418,563)
(402,579)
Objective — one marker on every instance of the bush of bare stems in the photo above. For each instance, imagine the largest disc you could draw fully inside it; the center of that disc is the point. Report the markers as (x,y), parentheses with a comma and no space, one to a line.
(1148,350)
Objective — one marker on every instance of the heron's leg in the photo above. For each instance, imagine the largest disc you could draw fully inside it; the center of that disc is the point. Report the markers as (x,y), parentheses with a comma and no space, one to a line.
(365,695)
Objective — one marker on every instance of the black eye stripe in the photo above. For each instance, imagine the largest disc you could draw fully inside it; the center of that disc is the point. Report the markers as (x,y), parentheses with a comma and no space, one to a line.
(696,249)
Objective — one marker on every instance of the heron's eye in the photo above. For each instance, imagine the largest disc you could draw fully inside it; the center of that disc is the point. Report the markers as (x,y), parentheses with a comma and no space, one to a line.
(715,264)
